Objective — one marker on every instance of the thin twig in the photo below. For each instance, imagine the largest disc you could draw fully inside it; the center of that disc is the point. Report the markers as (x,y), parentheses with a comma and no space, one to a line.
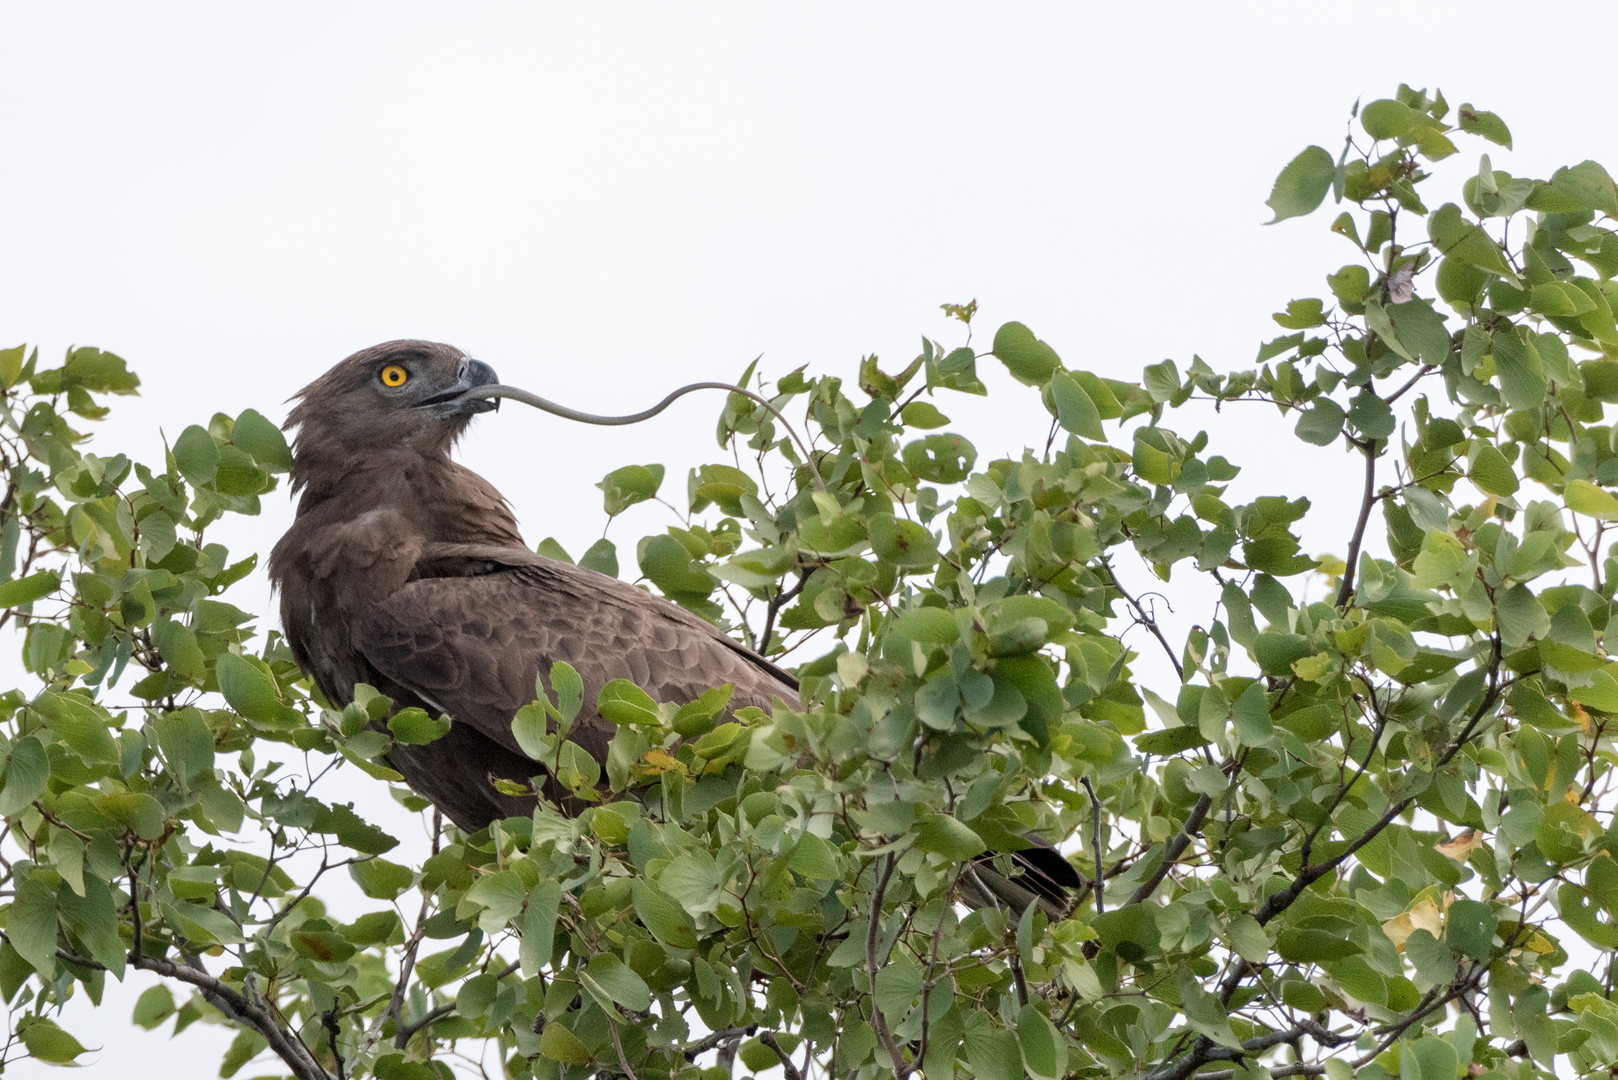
(618,1044)
(1171,854)
(1095,842)
(692,1050)
(901,1068)
(333,1032)
(253,1014)
(1367,499)
(789,1070)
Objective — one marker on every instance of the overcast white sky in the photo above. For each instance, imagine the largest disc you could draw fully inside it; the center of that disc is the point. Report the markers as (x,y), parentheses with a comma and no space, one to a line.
(606,201)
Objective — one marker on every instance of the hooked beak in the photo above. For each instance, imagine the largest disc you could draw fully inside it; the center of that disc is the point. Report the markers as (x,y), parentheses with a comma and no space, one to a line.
(454,402)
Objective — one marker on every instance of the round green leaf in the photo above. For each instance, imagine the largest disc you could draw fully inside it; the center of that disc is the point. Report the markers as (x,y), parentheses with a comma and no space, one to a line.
(1387,119)
(1302,185)
(945,835)
(47,1042)
(1029,360)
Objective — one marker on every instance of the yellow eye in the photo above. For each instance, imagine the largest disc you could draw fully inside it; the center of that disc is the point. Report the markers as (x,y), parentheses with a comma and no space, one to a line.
(394,375)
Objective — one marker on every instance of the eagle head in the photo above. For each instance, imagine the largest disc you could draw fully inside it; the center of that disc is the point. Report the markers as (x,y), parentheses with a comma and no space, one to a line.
(400,394)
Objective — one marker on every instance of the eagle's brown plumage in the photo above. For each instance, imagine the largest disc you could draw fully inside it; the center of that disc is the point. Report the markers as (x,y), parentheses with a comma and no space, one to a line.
(405,571)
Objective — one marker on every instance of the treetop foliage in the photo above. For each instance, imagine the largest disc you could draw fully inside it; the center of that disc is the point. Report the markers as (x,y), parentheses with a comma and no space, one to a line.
(1371,834)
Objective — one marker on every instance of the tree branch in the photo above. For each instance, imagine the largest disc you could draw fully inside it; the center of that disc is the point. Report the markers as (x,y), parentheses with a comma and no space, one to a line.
(1095,842)
(901,1068)
(1367,499)
(252,1013)
(1145,620)
(708,1042)
(789,1070)
(1171,854)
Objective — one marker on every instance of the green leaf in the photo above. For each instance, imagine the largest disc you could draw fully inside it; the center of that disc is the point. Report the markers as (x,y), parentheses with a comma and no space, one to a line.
(1313,946)
(814,858)
(569,689)
(1131,931)
(992,1052)
(1321,423)
(695,718)
(1521,616)
(1204,1011)
(942,459)
(622,702)
(930,626)
(79,723)
(629,485)
(898,984)
(353,831)
(539,926)
(501,895)
(693,880)
(949,837)
(1029,360)
(47,1042)
(1432,958)
(1469,927)
(1170,741)
(250,689)
(620,983)
(551,549)
(27,590)
(1521,379)
(922,415)
(1250,715)
(1370,415)
(1247,937)
(94,369)
(1492,473)
(602,557)
(901,542)
(1465,242)
(758,1057)
(178,647)
(197,456)
(476,994)
(380,879)
(1074,409)
(666,562)
(1486,124)
(667,920)
(1161,381)
(1302,185)
(723,485)
(1302,314)
(27,772)
(31,925)
(155,1005)
(139,813)
(1583,497)
(67,858)
(1044,1051)
(1428,1058)
(1387,119)
(414,727)
(262,440)
(1006,705)
(559,1044)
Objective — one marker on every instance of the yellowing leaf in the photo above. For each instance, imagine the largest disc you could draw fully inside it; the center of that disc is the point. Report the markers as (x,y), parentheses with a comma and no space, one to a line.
(1461,846)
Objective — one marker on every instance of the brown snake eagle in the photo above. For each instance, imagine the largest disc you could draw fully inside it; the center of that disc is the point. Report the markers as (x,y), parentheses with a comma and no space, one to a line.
(405,571)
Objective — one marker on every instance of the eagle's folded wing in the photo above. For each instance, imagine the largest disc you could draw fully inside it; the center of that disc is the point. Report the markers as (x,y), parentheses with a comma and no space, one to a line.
(469,641)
